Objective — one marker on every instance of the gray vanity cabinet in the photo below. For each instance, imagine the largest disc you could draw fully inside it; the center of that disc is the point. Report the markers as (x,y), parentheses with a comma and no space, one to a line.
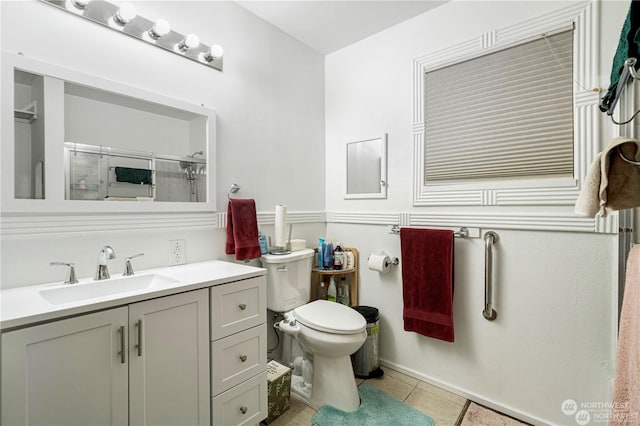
(169,360)
(239,353)
(66,372)
(143,364)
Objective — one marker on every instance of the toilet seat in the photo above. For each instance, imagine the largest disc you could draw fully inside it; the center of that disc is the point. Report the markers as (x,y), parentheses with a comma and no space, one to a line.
(330,317)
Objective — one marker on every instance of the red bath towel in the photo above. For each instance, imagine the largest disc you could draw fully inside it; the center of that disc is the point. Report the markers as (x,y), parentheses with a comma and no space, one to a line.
(427,282)
(242,229)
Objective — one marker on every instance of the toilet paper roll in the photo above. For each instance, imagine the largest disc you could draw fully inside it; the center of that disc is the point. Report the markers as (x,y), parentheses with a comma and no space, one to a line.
(281,225)
(380,262)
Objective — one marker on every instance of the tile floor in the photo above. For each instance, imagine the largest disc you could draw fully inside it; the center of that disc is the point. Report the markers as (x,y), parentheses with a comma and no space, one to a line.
(446,408)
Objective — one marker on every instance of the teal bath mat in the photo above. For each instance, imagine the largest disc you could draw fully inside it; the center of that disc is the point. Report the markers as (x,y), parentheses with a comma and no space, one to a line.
(376,409)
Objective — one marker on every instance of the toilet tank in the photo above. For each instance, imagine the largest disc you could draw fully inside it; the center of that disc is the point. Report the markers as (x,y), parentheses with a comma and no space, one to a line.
(288,279)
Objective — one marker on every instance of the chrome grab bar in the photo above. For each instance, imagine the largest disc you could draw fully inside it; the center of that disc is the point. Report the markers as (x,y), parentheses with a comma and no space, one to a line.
(490,238)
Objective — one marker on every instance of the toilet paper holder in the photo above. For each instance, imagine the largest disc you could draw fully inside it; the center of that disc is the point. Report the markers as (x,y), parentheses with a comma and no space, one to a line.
(394,261)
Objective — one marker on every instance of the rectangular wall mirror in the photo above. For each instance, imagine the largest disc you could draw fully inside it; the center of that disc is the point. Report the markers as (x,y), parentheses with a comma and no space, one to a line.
(73,141)
(367,168)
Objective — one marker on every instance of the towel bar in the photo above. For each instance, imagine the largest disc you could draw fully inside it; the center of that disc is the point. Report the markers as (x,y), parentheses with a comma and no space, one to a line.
(490,238)
(461,232)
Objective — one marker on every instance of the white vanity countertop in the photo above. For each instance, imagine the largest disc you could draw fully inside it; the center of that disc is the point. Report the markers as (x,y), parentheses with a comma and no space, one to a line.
(25,305)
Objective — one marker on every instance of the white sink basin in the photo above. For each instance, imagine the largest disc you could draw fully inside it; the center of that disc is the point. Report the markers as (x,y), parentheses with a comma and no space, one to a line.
(78,292)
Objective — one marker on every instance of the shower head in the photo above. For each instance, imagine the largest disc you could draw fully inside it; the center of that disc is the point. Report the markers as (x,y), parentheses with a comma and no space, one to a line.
(190,167)
(189,164)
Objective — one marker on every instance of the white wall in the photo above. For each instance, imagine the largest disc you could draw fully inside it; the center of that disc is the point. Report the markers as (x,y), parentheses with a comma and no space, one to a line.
(555,292)
(270,123)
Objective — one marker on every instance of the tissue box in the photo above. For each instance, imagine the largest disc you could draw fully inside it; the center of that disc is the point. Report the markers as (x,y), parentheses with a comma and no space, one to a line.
(278,389)
(298,244)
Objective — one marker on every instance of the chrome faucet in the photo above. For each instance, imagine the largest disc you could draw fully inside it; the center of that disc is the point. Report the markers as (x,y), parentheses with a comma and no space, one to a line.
(72,272)
(128,269)
(106,253)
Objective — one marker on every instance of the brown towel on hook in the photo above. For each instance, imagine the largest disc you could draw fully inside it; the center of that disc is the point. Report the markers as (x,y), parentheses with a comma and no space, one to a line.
(242,229)
(611,183)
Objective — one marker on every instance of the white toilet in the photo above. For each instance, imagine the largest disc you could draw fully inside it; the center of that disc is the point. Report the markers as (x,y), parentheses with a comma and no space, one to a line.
(327,332)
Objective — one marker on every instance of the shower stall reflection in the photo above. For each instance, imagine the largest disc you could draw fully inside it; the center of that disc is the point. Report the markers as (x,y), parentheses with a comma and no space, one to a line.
(92,174)
(181,180)
(194,173)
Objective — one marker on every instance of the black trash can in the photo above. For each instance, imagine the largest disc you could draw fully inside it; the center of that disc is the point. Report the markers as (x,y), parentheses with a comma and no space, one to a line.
(365,360)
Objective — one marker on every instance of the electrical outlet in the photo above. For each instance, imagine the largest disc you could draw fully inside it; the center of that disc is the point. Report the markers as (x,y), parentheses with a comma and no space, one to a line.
(177,252)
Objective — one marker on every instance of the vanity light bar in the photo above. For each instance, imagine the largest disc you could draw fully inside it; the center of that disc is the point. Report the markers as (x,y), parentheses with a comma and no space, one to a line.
(123,18)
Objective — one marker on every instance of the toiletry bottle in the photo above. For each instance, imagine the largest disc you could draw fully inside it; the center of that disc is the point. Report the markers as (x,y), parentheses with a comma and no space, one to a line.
(322,291)
(338,257)
(339,296)
(345,292)
(331,292)
(348,260)
(327,256)
(262,239)
(320,252)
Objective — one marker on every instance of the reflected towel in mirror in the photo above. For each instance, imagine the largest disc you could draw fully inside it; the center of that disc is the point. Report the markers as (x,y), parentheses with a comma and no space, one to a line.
(130,175)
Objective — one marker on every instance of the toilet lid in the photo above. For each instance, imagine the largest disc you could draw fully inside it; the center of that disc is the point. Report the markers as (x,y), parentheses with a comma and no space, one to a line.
(330,317)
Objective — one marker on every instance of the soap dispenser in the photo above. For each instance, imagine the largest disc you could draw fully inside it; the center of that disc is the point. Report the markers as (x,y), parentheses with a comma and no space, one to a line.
(264,246)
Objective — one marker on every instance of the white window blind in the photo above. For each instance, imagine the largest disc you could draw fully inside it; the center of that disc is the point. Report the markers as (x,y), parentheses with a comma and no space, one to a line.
(504,115)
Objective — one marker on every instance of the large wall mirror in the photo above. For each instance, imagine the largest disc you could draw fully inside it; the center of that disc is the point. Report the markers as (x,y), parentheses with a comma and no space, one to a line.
(367,168)
(76,142)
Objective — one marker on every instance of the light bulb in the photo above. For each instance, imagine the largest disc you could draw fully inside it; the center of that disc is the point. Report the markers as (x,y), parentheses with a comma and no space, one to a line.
(125,14)
(159,29)
(214,53)
(190,41)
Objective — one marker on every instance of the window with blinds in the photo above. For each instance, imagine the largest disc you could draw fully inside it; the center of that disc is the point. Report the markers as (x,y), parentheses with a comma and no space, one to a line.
(504,115)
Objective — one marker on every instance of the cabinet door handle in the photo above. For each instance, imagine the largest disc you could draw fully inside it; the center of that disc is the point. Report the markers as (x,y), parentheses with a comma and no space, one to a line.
(242,306)
(243,409)
(139,342)
(243,358)
(122,352)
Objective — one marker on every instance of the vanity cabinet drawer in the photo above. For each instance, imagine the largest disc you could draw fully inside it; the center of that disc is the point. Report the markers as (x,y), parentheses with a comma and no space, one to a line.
(238,358)
(238,306)
(245,404)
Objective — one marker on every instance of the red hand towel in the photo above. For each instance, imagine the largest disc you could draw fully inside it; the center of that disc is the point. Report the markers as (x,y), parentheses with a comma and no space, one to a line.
(427,282)
(242,229)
